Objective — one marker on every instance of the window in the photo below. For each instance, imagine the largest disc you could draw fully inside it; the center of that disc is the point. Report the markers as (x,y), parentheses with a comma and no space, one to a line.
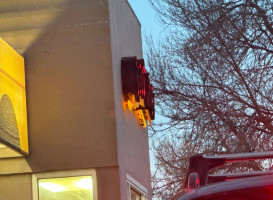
(136,191)
(135,195)
(70,185)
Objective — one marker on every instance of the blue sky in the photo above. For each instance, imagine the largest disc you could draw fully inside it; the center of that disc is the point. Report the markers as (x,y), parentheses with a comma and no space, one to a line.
(147,17)
(149,26)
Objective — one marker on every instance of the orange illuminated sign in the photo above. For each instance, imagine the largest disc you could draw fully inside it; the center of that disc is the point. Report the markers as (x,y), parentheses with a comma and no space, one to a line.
(13,114)
(137,91)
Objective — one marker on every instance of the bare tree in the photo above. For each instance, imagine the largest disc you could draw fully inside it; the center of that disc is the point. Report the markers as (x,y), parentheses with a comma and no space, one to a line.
(213,79)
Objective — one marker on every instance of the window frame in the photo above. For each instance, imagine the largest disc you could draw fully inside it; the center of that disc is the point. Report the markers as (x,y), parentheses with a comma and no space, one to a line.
(134,185)
(63,174)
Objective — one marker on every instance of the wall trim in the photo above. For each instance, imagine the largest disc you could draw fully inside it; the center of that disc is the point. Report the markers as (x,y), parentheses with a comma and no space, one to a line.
(136,184)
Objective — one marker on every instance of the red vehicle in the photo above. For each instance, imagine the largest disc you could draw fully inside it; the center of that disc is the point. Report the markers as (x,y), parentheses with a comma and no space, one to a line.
(201,185)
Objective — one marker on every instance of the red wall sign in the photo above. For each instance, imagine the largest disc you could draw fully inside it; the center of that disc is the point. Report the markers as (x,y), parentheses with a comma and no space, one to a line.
(137,91)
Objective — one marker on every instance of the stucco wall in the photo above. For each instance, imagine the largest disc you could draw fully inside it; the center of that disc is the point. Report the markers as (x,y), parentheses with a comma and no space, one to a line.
(72,51)
(69,82)
(108,183)
(15,187)
(133,148)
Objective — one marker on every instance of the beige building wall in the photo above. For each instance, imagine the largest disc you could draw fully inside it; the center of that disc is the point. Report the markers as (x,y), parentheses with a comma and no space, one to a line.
(72,51)
(15,187)
(66,46)
(133,147)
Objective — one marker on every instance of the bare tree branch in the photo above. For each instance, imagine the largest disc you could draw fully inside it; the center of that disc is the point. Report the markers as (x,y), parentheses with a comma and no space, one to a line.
(213,80)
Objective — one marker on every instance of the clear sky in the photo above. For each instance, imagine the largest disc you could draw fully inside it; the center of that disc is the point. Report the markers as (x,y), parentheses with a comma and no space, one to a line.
(147,17)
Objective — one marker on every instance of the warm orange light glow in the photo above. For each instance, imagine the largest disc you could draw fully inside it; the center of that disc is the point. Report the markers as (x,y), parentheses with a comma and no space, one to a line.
(130,105)
(137,90)
(141,119)
(12,99)
(138,107)
(147,116)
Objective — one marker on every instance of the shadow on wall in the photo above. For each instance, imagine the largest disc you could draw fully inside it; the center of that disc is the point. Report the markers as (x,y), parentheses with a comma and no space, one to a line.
(62,41)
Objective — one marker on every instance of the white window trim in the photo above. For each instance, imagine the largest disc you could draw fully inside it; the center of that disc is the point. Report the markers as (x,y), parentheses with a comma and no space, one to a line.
(62,174)
(135,185)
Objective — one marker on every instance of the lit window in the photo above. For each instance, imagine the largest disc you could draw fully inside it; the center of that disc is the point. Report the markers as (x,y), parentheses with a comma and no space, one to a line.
(68,186)
(79,188)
